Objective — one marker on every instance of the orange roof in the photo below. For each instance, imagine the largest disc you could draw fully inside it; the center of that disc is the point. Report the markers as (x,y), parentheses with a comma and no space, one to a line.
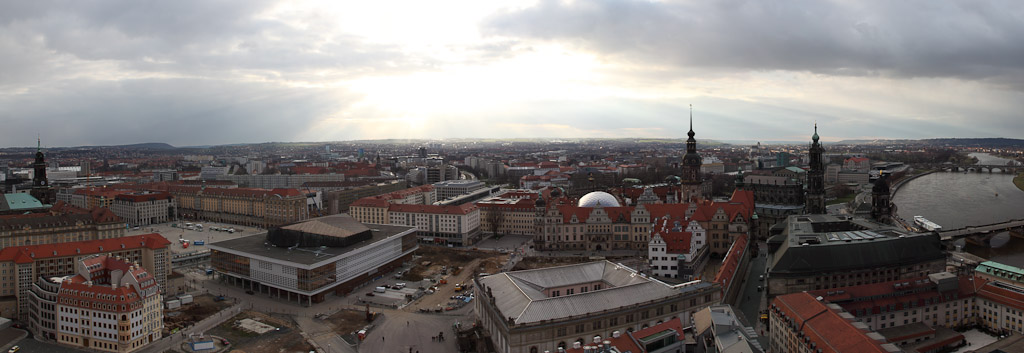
(85,289)
(135,197)
(1002,295)
(731,262)
(237,192)
(519,204)
(437,209)
(825,328)
(100,192)
(872,297)
(29,253)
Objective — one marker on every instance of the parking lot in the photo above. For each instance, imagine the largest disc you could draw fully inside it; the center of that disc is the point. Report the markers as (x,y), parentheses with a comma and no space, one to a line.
(206,236)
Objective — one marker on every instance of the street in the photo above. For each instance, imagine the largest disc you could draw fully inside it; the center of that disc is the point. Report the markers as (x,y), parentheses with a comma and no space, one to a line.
(750,301)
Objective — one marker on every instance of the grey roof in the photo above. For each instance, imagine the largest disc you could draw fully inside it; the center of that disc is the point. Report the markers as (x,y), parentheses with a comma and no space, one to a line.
(730,331)
(520,294)
(257,245)
(340,225)
(825,243)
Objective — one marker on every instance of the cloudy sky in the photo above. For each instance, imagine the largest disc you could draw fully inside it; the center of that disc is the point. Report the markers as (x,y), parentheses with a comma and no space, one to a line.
(197,72)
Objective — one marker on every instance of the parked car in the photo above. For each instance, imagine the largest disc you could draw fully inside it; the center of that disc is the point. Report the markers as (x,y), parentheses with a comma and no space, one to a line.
(14,349)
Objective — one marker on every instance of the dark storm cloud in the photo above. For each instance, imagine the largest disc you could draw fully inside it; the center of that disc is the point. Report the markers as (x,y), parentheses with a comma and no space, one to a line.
(177,111)
(963,39)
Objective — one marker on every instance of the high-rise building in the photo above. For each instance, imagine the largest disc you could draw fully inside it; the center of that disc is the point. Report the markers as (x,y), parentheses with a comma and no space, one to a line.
(816,177)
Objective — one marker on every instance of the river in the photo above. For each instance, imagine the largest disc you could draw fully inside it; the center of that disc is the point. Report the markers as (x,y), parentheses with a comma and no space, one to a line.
(958,199)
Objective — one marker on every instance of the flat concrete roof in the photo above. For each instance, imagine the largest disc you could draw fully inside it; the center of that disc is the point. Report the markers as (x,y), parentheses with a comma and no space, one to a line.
(257,245)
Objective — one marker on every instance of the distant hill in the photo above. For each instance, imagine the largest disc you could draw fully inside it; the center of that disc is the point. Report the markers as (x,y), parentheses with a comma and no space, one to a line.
(959,142)
(137,146)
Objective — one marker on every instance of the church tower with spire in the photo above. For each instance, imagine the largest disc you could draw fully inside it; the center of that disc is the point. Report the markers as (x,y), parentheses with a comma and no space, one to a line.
(881,206)
(691,178)
(816,177)
(40,186)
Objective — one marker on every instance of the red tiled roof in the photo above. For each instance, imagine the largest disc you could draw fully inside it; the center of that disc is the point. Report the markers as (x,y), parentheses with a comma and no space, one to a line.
(731,262)
(236,192)
(917,290)
(677,242)
(371,202)
(26,254)
(519,204)
(436,209)
(100,192)
(825,328)
(744,197)
(567,211)
(672,210)
(134,197)
(627,341)
(81,287)
(1002,295)
(309,170)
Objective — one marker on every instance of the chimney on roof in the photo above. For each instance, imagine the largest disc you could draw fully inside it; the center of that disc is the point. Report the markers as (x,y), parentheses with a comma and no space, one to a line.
(616,334)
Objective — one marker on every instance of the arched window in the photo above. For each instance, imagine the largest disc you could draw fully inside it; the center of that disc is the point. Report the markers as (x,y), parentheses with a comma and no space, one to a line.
(533,349)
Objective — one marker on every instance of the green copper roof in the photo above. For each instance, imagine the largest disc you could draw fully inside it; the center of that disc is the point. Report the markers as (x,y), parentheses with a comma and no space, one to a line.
(19,201)
(994,268)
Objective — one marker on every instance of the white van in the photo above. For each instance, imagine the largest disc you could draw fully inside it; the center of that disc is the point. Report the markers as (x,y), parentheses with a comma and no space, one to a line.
(380,289)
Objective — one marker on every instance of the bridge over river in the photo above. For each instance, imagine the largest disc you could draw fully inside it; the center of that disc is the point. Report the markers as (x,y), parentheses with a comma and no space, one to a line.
(1015,226)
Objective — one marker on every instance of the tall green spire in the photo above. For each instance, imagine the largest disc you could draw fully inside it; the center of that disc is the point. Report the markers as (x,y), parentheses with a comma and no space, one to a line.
(815,137)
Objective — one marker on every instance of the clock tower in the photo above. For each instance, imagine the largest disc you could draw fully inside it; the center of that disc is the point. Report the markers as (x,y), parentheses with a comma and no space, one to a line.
(40,186)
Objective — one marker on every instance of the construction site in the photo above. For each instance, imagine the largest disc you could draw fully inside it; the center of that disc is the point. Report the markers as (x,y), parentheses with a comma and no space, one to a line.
(186,315)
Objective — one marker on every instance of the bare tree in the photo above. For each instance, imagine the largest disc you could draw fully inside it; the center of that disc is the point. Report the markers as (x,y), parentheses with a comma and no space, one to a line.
(496,216)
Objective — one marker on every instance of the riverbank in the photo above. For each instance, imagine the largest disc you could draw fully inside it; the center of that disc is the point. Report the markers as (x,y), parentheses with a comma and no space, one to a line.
(896,185)
(1019,181)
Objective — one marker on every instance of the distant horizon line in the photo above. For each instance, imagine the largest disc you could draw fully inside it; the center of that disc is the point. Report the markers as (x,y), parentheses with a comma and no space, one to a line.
(681,139)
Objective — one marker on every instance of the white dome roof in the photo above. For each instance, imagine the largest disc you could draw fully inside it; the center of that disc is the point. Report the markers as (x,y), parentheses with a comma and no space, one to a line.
(593,198)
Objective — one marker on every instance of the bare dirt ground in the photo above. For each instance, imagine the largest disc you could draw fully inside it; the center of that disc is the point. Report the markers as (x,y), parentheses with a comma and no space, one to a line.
(454,266)
(347,321)
(284,340)
(202,306)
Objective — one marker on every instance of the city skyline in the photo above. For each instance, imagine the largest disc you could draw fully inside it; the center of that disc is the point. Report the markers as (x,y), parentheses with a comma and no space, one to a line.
(202,73)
